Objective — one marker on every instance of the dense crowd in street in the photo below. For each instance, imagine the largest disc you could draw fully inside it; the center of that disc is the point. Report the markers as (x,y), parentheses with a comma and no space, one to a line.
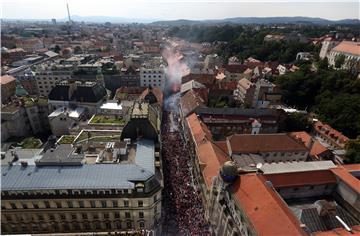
(183,211)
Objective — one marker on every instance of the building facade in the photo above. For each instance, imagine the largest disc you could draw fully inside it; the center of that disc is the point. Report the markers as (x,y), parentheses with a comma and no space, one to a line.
(86,208)
(48,75)
(153,76)
(8,87)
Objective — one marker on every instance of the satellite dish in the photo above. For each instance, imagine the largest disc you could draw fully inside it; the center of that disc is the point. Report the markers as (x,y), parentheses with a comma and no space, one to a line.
(259,165)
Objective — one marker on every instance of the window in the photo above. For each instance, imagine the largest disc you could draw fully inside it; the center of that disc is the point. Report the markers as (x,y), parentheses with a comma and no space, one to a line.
(115,204)
(70,204)
(118,225)
(141,214)
(142,225)
(108,225)
(47,204)
(117,215)
(140,204)
(81,204)
(103,203)
(155,198)
(97,225)
(51,217)
(127,214)
(87,226)
(84,216)
(95,216)
(36,206)
(92,203)
(13,205)
(128,225)
(106,216)
(24,228)
(62,216)
(126,203)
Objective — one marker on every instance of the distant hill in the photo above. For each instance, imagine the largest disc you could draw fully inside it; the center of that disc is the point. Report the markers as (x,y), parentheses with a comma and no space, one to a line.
(236,20)
(259,20)
(112,19)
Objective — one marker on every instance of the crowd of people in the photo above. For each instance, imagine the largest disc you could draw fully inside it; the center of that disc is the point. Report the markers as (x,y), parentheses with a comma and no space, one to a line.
(183,212)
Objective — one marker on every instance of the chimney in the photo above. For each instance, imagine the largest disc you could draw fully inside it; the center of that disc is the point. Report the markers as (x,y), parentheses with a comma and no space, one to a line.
(24,163)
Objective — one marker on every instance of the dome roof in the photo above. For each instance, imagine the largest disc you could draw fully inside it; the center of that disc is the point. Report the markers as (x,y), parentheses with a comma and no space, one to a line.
(229,169)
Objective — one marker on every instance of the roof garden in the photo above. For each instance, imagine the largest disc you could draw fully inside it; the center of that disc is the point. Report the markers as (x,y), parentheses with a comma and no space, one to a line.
(102,119)
(66,139)
(28,101)
(98,136)
(30,143)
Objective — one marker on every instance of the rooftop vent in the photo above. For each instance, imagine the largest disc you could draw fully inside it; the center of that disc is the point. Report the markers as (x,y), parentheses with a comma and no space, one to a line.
(24,163)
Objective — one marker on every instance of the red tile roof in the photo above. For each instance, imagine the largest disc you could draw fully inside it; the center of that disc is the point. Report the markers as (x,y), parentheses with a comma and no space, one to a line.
(190,101)
(210,156)
(348,178)
(235,68)
(316,149)
(330,132)
(6,79)
(340,232)
(317,177)
(267,212)
(128,91)
(201,78)
(352,167)
(247,143)
(348,47)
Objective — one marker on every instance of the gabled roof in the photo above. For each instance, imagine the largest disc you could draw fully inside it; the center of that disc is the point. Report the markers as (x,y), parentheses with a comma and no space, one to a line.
(248,143)
(60,93)
(6,79)
(330,132)
(93,92)
(157,92)
(89,94)
(124,92)
(236,68)
(294,179)
(348,47)
(346,177)
(316,148)
(209,155)
(268,214)
(72,177)
(190,85)
(190,101)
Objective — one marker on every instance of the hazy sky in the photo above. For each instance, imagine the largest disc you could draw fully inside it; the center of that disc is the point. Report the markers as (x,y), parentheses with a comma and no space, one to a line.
(178,9)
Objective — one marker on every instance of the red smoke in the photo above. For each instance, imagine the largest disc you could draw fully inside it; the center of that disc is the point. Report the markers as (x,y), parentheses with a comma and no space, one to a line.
(175,70)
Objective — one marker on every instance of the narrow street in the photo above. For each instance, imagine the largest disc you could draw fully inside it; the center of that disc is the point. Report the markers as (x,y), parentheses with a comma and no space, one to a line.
(183,213)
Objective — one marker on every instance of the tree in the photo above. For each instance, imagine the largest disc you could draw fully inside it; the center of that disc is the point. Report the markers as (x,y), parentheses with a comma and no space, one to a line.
(77,50)
(352,148)
(323,64)
(339,61)
(57,49)
(297,122)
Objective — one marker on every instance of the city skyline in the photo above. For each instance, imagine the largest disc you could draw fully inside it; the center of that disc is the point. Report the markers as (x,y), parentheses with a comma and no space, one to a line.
(192,10)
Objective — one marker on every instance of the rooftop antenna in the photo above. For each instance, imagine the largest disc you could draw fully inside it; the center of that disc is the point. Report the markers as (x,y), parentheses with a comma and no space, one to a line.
(67,6)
